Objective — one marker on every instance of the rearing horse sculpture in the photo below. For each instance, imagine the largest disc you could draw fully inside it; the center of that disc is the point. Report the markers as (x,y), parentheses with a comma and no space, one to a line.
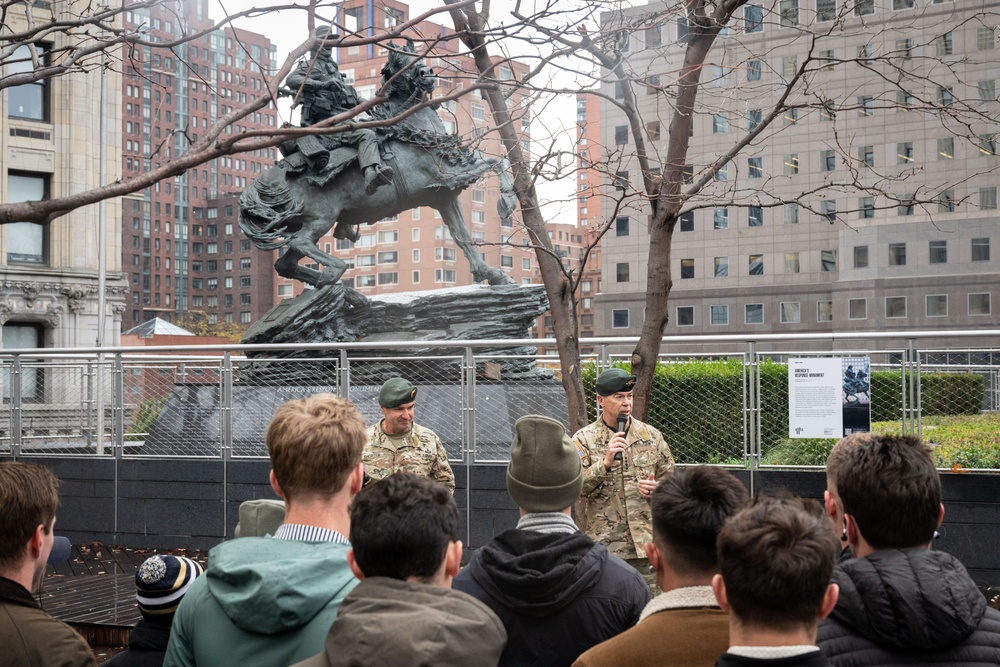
(298,201)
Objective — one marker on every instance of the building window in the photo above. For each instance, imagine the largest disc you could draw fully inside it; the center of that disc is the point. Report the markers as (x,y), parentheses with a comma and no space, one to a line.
(985,38)
(988,144)
(906,205)
(857,309)
(895,306)
(937,305)
(619,318)
(860,257)
(791,214)
(756,265)
(979,304)
(866,154)
(904,152)
(792,262)
(621,225)
(789,13)
(245,281)
(791,164)
(753,313)
(828,260)
(27,242)
(938,252)
(828,209)
(987,91)
(621,179)
(755,166)
(864,7)
(621,135)
(720,123)
(827,160)
(824,311)
(687,269)
(722,173)
(944,44)
(826,10)
(753,70)
(790,313)
(685,316)
(720,219)
(719,315)
(721,267)
(946,201)
(29,100)
(687,221)
(946,96)
(621,272)
(754,118)
(388,236)
(388,278)
(866,207)
(946,148)
(753,18)
(506,261)
(981,250)
(389,257)
(897,254)
(903,4)
(988,198)
(17,335)
(755,216)
(478,111)
(866,105)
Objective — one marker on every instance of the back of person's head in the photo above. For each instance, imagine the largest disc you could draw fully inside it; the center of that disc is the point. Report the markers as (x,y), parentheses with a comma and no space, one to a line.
(314,444)
(689,508)
(29,495)
(401,527)
(893,492)
(161,583)
(776,558)
(837,458)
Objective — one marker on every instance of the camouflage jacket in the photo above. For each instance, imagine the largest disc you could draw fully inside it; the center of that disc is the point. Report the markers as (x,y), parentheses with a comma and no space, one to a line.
(420,452)
(610,509)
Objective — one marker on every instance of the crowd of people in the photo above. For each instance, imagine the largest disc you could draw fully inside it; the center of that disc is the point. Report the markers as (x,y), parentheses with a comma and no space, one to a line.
(362,564)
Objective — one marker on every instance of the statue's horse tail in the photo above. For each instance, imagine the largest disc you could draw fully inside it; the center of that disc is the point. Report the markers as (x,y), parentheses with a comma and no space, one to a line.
(508,200)
(266,208)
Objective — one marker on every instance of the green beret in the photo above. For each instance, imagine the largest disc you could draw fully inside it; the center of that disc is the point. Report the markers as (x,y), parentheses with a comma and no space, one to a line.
(395,392)
(613,381)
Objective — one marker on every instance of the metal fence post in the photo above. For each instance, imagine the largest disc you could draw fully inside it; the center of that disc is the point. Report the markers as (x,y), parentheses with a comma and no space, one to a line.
(15,406)
(468,432)
(751,422)
(118,405)
(344,376)
(226,428)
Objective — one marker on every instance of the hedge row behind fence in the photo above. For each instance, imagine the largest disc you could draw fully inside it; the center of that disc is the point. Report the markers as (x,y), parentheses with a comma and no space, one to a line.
(698,405)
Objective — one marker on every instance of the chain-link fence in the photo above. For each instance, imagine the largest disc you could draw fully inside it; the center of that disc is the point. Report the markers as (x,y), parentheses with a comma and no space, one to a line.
(729,408)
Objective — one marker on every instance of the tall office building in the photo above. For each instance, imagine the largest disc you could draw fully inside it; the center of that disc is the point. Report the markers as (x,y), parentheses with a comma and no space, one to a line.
(413,251)
(748,259)
(51,147)
(181,248)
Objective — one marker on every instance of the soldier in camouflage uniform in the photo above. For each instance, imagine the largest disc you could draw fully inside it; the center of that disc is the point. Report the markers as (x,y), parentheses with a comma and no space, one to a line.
(397,443)
(614,508)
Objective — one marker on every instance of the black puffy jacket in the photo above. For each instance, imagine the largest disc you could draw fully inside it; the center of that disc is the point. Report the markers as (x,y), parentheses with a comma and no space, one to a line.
(556,594)
(909,607)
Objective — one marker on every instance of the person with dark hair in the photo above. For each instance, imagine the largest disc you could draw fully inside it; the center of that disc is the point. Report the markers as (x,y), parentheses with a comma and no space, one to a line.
(405,550)
(775,561)
(160,584)
(835,462)
(556,590)
(29,495)
(901,602)
(271,600)
(623,459)
(689,508)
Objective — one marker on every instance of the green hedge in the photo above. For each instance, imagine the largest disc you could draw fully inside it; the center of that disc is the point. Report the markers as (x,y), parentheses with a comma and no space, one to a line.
(698,405)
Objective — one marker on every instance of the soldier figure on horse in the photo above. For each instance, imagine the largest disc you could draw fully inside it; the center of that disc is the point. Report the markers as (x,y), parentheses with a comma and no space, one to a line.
(321,89)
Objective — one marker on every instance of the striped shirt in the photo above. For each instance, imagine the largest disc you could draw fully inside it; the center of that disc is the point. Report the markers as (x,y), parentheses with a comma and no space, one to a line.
(300,533)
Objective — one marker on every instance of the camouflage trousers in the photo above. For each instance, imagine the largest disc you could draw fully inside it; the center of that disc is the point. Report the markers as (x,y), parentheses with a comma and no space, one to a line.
(642,566)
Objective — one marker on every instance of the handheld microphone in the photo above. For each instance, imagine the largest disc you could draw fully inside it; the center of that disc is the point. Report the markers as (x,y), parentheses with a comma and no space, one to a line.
(622,424)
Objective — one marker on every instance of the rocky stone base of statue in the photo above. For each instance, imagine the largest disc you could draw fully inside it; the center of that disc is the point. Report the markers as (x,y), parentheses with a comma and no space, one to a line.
(336,314)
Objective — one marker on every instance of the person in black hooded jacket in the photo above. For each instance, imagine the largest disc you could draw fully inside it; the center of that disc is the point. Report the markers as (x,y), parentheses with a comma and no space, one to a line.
(556,590)
(900,602)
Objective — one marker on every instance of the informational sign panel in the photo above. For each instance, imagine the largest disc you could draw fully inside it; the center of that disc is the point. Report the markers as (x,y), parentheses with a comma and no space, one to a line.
(828,397)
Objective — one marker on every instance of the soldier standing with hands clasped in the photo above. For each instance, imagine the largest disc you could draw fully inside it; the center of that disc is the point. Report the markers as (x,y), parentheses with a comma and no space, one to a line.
(622,459)
(396,442)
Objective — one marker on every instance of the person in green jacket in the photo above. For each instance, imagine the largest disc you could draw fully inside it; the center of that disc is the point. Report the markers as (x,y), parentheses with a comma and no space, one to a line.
(270,601)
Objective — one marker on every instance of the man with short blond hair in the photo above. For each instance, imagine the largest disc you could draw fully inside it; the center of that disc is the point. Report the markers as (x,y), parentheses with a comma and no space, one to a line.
(835,463)
(270,601)
(29,495)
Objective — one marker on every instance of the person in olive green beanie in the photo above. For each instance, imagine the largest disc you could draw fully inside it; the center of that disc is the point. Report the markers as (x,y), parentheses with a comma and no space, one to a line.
(556,590)
(396,442)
